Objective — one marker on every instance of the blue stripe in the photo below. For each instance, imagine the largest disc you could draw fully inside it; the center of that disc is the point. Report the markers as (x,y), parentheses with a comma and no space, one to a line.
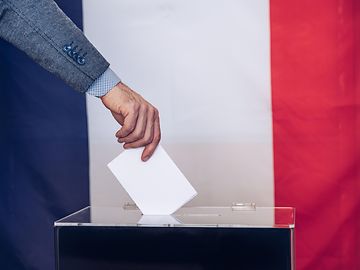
(44,171)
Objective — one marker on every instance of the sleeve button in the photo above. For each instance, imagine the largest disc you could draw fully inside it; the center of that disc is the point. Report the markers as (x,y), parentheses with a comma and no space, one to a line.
(80,60)
(66,48)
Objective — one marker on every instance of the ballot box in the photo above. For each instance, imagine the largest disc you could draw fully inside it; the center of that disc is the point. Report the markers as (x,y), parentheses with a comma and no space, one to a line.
(241,236)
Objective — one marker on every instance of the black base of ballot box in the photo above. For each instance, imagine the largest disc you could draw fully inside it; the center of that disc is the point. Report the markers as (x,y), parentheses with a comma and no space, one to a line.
(238,237)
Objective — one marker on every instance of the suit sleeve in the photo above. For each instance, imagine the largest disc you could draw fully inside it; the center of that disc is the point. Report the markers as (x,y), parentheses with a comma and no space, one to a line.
(50,38)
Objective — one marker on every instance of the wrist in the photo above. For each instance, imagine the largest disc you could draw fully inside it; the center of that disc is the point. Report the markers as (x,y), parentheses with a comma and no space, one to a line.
(104,83)
(112,91)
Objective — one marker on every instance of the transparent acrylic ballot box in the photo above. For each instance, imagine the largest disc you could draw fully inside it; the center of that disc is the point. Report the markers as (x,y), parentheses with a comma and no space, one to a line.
(241,236)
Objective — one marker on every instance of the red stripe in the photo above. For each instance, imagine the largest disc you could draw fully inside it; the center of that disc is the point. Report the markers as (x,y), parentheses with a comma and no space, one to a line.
(315,48)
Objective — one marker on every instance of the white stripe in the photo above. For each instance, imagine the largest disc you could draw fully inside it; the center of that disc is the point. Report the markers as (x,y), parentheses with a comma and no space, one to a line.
(206,65)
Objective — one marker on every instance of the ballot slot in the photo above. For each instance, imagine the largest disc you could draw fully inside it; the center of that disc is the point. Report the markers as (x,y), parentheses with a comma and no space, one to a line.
(235,207)
(243,206)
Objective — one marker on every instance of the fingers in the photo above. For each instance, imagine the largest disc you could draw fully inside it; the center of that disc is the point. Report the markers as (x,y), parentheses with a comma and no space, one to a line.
(150,148)
(139,130)
(151,136)
(148,132)
(139,119)
(129,125)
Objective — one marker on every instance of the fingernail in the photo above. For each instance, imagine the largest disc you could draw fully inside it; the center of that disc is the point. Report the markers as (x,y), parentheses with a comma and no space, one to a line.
(146,158)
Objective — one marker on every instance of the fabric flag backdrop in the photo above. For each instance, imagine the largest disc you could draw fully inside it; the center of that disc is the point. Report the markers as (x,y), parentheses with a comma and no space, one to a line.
(236,135)
(259,103)
(315,48)
(43,156)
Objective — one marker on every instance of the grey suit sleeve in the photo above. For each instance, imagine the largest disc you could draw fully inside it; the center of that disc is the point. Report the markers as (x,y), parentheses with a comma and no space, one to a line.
(50,38)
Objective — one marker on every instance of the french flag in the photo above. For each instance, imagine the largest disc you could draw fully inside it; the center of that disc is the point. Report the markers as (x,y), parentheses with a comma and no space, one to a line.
(259,102)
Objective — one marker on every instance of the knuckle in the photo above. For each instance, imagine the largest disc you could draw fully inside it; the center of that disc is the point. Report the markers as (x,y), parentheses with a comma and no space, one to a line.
(125,129)
(144,106)
(156,111)
(152,110)
(135,106)
(151,113)
(154,114)
(148,140)
(130,127)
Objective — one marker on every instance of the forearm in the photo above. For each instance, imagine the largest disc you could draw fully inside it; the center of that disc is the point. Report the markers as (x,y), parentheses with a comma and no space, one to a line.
(50,38)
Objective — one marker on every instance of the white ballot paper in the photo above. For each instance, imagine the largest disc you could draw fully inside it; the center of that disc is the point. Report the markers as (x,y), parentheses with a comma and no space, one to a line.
(157,186)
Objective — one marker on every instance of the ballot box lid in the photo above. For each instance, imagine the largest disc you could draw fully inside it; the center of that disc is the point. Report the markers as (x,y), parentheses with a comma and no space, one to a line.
(237,215)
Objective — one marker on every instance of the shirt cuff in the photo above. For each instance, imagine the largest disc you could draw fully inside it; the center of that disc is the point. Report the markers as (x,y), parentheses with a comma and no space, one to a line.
(104,83)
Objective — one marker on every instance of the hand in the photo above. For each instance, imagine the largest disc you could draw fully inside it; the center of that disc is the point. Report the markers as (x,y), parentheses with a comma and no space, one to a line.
(139,119)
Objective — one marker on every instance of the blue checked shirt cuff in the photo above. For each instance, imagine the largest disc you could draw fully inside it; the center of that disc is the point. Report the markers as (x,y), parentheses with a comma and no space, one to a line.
(104,83)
